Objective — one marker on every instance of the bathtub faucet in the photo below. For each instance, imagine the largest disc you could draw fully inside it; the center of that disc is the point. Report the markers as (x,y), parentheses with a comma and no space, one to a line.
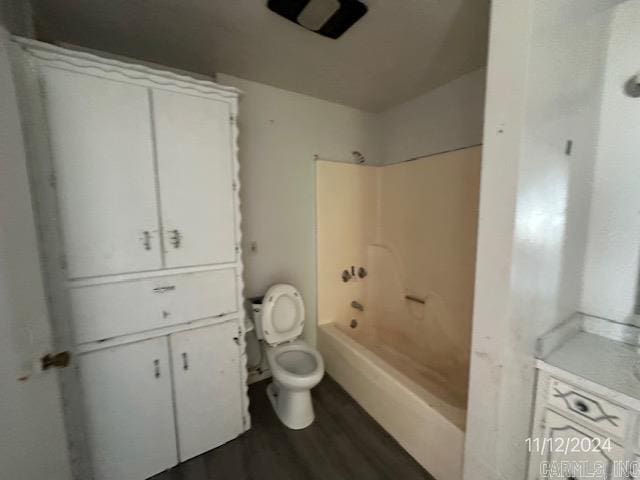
(357,305)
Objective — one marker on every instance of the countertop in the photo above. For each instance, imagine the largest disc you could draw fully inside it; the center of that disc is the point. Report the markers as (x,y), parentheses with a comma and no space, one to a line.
(600,360)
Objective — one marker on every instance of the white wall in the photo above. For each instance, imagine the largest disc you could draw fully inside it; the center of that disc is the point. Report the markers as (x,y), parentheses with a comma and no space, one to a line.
(280,132)
(545,72)
(446,118)
(612,261)
(33,439)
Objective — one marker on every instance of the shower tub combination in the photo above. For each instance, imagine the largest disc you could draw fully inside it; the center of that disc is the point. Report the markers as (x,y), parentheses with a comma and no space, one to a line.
(403,356)
(420,401)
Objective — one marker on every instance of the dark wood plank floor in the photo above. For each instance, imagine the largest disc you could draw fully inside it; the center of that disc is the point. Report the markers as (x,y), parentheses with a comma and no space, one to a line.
(344,442)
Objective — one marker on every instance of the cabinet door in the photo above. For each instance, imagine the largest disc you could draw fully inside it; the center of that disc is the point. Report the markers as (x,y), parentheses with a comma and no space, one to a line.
(208,387)
(100,134)
(195,175)
(129,410)
(575,452)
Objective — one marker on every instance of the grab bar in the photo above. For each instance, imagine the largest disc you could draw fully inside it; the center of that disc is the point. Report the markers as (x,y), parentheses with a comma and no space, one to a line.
(415,299)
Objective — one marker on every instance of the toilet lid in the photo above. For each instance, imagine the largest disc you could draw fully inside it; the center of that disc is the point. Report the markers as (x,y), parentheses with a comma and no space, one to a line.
(282,314)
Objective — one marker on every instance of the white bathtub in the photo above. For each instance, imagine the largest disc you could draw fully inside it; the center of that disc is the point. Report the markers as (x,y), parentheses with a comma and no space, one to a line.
(426,420)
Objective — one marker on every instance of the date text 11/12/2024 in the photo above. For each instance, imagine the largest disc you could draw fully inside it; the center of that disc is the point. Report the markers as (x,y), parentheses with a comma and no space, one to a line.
(577,467)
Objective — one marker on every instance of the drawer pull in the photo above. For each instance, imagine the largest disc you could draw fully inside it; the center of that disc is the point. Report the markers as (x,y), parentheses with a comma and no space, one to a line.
(156,368)
(185,361)
(146,242)
(581,406)
(176,238)
(168,288)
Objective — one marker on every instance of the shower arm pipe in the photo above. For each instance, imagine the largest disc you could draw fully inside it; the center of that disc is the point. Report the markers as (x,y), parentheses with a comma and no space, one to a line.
(411,298)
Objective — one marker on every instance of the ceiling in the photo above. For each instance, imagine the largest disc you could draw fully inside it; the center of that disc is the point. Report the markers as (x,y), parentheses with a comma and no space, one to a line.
(398,50)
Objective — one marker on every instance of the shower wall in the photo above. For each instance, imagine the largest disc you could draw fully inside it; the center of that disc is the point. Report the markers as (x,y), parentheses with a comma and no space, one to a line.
(346,223)
(428,221)
(413,226)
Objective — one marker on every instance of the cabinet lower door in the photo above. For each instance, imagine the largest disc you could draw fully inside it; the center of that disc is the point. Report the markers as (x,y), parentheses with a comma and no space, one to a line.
(208,387)
(129,410)
(575,452)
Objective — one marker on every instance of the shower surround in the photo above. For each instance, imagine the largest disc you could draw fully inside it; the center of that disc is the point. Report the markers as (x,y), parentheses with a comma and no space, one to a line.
(413,226)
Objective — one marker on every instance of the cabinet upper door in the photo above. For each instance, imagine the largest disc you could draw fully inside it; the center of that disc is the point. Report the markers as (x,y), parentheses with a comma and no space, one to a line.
(208,387)
(129,410)
(101,141)
(193,138)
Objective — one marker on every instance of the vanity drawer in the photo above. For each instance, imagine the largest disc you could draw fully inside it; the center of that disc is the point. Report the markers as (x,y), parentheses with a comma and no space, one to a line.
(592,409)
(115,309)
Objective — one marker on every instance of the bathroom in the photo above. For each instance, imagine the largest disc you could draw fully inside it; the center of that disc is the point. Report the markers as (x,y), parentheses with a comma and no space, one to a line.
(413,240)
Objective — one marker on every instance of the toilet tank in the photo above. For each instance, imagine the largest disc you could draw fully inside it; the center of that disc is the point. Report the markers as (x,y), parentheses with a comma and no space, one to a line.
(256,315)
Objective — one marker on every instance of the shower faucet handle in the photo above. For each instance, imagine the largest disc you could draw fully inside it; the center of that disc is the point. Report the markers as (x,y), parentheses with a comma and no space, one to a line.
(346,276)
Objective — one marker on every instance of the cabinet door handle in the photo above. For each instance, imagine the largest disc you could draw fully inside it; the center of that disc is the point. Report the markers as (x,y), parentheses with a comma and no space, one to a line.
(185,361)
(156,368)
(146,240)
(166,289)
(176,238)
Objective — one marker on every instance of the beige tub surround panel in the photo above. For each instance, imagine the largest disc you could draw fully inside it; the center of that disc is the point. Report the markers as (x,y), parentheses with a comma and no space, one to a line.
(346,224)
(429,212)
(413,226)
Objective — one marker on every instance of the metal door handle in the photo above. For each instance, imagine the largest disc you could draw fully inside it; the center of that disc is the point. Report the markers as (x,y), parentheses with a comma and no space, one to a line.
(185,361)
(146,240)
(176,238)
(58,360)
(156,368)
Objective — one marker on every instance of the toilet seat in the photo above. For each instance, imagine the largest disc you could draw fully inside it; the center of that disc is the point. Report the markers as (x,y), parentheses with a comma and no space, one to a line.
(282,314)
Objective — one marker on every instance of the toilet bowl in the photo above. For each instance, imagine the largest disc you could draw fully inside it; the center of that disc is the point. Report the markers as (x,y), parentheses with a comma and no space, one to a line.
(296,369)
(296,366)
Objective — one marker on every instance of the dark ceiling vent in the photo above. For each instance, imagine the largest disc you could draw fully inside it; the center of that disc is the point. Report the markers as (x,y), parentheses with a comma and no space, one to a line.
(330,18)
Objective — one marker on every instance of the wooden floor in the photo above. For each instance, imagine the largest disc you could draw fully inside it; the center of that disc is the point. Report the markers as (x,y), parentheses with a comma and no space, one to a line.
(344,442)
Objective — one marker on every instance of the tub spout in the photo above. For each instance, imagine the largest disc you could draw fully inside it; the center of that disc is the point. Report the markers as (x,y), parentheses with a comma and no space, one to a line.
(357,305)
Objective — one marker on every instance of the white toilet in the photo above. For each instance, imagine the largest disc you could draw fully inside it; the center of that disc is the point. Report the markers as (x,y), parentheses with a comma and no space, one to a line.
(296,367)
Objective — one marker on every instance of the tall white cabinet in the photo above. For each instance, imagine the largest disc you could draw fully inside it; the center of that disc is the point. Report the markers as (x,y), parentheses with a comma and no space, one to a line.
(135,178)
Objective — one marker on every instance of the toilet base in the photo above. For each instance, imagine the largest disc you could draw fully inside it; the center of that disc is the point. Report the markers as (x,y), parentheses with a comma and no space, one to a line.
(294,408)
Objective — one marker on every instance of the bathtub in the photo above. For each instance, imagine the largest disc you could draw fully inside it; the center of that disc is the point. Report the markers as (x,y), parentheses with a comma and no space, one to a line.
(415,405)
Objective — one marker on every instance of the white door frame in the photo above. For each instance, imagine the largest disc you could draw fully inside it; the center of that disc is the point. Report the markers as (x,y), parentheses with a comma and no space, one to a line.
(43,208)
(31,412)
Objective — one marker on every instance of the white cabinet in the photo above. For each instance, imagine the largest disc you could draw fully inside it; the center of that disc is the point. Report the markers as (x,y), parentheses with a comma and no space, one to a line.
(193,137)
(102,151)
(578,434)
(115,199)
(129,400)
(129,410)
(134,172)
(208,387)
